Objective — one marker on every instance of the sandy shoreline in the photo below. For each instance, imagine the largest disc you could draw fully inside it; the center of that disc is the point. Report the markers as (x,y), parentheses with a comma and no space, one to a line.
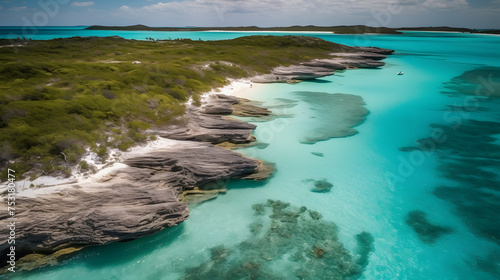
(50,184)
(235,88)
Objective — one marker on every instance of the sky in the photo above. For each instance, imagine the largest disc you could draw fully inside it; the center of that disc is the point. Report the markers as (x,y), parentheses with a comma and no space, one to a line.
(263,13)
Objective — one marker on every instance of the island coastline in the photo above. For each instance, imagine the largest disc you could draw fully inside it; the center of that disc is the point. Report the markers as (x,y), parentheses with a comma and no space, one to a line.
(139,164)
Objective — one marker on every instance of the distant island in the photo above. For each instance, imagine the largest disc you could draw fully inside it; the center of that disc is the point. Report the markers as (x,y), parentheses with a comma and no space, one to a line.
(342,29)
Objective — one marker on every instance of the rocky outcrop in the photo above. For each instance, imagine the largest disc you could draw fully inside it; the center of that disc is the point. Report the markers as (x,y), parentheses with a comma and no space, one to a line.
(365,57)
(209,128)
(375,50)
(145,195)
(248,108)
(207,123)
(137,200)
(221,104)
(189,166)
(284,74)
(93,214)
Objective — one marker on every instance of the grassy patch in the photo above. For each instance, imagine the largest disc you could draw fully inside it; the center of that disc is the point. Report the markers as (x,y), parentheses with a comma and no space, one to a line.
(59,97)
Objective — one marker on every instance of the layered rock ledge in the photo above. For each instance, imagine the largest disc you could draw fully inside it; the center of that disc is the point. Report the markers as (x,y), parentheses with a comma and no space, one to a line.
(363,57)
(140,196)
(211,124)
(146,192)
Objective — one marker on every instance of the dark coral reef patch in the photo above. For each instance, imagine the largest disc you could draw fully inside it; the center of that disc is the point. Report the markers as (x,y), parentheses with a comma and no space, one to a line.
(287,242)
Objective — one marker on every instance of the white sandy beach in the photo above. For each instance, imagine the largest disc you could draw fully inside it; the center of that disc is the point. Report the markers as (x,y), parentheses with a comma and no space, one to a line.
(49,184)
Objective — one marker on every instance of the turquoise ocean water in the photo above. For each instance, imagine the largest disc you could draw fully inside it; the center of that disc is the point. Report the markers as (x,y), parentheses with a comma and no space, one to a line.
(377,177)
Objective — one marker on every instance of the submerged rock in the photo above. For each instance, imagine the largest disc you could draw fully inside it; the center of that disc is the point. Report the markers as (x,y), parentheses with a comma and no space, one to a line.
(473,167)
(318,154)
(320,186)
(365,247)
(263,171)
(286,244)
(425,230)
(199,196)
(483,81)
(335,115)
(490,263)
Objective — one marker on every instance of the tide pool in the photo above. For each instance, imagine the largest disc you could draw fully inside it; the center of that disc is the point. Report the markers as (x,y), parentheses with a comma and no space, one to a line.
(376,183)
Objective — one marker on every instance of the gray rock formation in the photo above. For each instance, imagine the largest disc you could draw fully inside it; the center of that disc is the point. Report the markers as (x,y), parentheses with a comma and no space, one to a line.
(207,125)
(375,50)
(100,213)
(144,197)
(139,199)
(331,64)
(189,166)
(284,74)
(128,203)
(210,128)
(221,104)
(365,57)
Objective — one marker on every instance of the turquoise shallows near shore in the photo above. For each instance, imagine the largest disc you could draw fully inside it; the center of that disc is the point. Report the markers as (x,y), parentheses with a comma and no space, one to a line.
(383,179)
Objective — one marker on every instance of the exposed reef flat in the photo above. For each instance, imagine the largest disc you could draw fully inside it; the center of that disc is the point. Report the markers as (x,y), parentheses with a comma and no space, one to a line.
(364,57)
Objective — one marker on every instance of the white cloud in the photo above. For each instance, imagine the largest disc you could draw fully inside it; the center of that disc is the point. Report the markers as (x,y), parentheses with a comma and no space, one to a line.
(252,12)
(446,4)
(266,6)
(82,4)
(300,12)
(16,9)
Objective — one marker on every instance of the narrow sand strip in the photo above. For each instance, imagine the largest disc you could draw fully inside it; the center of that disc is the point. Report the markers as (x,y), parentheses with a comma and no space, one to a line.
(49,184)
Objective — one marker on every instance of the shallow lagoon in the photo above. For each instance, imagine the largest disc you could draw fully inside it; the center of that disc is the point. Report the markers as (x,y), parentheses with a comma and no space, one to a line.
(375,182)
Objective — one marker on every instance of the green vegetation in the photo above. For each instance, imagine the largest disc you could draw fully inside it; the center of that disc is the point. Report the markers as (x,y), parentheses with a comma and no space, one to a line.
(59,98)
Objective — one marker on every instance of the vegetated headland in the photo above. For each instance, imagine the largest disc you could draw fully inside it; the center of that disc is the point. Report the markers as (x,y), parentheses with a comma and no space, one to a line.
(64,98)
(341,29)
